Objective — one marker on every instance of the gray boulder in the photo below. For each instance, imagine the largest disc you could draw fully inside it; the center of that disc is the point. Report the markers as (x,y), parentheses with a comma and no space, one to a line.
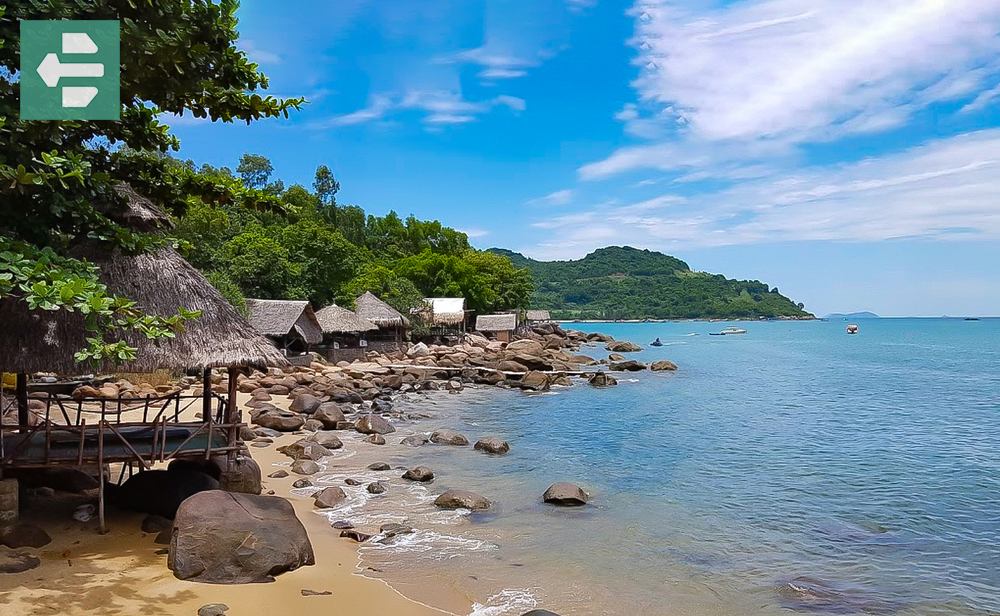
(328,440)
(492,445)
(566,495)
(448,437)
(462,499)
(329,497)
(415,440)
(623,346)
(305,467)
(602,379)
(304,449)
(305,403)
(419,473)
(282,421)
(629,365)
(663,365)
(374,424)
(330,414)
(224,538)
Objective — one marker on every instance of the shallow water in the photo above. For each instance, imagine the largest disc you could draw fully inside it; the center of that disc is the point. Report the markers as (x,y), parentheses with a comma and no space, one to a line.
(792,469)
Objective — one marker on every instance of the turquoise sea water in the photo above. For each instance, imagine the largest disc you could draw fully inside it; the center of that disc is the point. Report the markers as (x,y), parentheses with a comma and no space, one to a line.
(791,469)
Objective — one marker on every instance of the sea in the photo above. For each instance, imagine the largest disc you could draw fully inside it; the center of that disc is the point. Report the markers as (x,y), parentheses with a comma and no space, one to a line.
(794,469)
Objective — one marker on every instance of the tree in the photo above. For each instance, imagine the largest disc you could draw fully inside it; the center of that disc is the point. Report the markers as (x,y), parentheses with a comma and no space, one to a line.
(261,266)
(57,179)
(255,170)
(325,259)
(326,186)
(389,286)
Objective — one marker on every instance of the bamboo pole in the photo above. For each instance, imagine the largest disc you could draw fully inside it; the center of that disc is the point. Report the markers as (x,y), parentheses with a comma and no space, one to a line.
(21,387)
(100,472)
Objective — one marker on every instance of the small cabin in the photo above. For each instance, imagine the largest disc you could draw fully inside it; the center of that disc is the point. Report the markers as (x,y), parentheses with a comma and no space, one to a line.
(392,326)
(537,316)
(498,326)
(290,324)
(445,316)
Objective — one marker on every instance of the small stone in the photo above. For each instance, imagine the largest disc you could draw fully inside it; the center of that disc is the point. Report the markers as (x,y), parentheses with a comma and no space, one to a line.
(415,440)
(376,487)
(155,523)
(376,439)
(492,445)
(329,497)
(566,495)
(342,525)
(419,473)
(302,483)
(314,593)
(356,535)
(352,481)
(449,437)
(462,499)
(279,474)
(213,609)
(379,466)
(305,467)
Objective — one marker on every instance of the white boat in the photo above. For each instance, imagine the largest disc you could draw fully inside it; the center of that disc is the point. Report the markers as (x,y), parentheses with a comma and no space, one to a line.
(729,331)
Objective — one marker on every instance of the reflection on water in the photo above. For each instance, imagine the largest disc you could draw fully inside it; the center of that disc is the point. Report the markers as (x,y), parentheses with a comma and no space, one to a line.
(793,468)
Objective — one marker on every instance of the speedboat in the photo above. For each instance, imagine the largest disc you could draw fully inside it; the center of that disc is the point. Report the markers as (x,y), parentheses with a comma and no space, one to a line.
(728,331)
(852,328)
(656,343)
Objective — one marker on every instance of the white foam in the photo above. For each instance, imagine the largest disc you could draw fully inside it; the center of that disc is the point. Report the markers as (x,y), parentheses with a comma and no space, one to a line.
(507,601)
(436,546)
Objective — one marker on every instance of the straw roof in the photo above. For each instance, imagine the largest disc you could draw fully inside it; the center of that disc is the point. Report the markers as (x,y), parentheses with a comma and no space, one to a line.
(446,310)
(284,317)
(336,320)
(141,214)
(160,282)
(378,312)
(537,315)
(496,322)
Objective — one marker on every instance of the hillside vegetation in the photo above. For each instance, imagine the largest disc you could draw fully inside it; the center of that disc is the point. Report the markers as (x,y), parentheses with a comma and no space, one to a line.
(620,282)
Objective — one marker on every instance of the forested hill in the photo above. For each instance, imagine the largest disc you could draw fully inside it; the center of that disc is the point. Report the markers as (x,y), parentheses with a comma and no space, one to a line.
(627,283)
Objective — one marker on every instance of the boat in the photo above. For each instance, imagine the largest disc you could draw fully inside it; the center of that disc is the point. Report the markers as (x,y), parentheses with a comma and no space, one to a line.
(728,332)
(656,343)
(852,328)
(971,318)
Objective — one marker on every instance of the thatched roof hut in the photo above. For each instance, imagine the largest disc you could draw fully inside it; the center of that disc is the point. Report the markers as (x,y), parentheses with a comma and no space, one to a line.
(380,313)
(336,320)
(281,318)
(446,311)
(496,322)
(537,315)
(160,282)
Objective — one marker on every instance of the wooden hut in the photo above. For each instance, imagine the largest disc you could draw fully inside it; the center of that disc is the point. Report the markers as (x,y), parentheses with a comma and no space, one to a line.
(500,326)
(392,325)
(343,328)
(537,316)
(445,316)
(291,324)
(86,431)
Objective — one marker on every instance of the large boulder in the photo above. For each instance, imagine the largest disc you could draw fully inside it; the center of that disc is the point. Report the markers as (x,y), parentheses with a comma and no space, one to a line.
(305,403)
(462,499)
(528,347)
(329,497)
(629,365)
(418,350)
(415,440)
(493,445)
(282,421)
(305,467)
(305,449)
(534,381)
(419,473)
(326,439)
(566,495)
(243,476)
(448,437)
(512,366)
(226,538)
(160,492)
(602,379)
(623,346)
(662,365)
(373,424)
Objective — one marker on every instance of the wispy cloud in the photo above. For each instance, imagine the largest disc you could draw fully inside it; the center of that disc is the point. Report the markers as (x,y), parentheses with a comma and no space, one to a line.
(475,232)
(559,197)
(258,55)
(943,189)
(439,108)
(494,63)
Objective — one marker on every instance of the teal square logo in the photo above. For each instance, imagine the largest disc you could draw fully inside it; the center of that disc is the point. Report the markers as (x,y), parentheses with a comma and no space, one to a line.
(70,70)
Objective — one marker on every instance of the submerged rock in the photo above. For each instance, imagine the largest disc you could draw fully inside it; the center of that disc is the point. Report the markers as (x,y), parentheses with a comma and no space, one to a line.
(623,346)
(226,538)
(376,487)
(376,439)
(492,445)
(663,364)
(566,495)
(602,379)
(462,499)
(373,424)
(379,466)
(629,365)
(449,437)
(305,467)
(415,440)
(419,473)
(329,497)
(355,534)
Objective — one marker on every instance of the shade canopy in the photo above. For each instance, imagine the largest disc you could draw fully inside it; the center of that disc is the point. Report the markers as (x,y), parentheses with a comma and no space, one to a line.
(496,322)
(337,320)
(378,312)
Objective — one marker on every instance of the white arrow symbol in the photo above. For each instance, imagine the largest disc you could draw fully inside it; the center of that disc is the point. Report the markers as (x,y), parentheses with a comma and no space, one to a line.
(51,70)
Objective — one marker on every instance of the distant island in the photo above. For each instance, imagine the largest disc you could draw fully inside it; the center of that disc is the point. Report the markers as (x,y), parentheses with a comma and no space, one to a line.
(621,282)
(852,315)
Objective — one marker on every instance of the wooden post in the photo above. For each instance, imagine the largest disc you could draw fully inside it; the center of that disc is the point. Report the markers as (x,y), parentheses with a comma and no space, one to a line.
(100,472)
(206,394)
(232,416)
(22,400)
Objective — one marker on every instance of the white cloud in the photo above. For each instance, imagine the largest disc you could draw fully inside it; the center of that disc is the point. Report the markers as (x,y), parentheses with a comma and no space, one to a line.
(494,62)
(982,101)
(440,107)
(559,197)
(943,189)
(258,55)
(475,232)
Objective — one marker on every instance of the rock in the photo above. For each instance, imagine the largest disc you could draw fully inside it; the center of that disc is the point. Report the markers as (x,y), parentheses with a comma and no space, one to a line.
(415,440)
(160,492)
(356,535)
(565,494)
(418,350)
(512,366)
(86,391)
(376,439)
(342,524)
(623,346)
(391,529)
(663,364)
(381,406)
(305,467)
(528,347)
(376,487)
(155,524)
(224,538)
(352,481)
(314,593)
(305,450)
(379,466)
(419,473)
(493,445)
(326,439)
(24,535)
(629,365)
(373,424)
(57,478)
(462,499)
(279,474)
(302,483)
(213,609)
(448,437)
(305,403)
(281,421)
(539,613)
(534,381)
(312,425)
(329,497)
(602,379)
(243,476)
(616,357)
(489,378)
(17,562)
(330,414)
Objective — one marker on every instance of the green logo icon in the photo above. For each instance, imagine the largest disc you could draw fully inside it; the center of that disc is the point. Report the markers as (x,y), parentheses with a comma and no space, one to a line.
(69,70)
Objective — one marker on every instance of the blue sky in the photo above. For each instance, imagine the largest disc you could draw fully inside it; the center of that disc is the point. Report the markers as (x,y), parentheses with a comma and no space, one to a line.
(848,153)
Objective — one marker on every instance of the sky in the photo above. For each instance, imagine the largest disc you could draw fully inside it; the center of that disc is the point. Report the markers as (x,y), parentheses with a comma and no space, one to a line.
(846,152)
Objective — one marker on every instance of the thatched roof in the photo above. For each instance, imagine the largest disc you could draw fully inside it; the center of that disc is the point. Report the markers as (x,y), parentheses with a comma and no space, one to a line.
(284,317)
(336,320)
(140,214)
(378,312)
(160,282)
(537,315)
(446,310)
(496,322)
